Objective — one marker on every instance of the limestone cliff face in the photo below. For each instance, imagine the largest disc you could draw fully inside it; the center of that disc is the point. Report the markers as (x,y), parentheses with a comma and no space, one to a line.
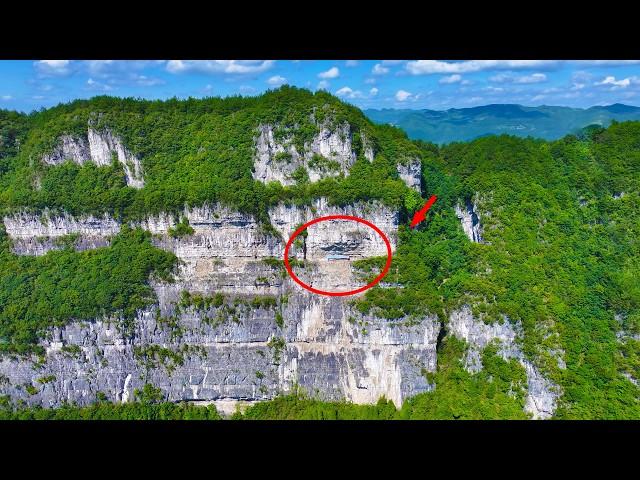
(241,351)
(37,234)
(470,220)
(411,174)
(212,356)
(71,148)
(542,394)
(340,236)
(25,225)
(99,147)
(367,147)
(229,352)
(329,153)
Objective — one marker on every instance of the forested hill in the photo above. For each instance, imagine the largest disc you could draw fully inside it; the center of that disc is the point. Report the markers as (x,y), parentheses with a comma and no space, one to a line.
(559,260)
(191,152)
(463,124)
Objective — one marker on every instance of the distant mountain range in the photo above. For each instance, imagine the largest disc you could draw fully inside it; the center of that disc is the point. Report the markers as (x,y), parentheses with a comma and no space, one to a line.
(462,124)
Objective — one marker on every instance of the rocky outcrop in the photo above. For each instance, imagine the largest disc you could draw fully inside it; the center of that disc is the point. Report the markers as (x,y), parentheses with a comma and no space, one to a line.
(411,174)
(99,147)
(542,394)
(470,220)
(218,232)
(229,250)
(329,153)
(25,225)
(367,147)
(71,148)
(37,234)
(321,346)
(340,236)
(626,337)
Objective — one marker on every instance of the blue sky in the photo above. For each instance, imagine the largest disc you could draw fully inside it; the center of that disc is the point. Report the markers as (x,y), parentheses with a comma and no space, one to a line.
(435,84)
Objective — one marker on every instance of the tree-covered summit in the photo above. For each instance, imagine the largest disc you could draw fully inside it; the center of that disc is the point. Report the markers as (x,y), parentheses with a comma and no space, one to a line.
(192,151)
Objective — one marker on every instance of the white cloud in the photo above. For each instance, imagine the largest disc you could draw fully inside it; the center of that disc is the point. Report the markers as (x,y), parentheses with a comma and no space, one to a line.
(455,78)
(392,62)
(97,67)
(94,85)
(505,78)
(220,66)
(53,67)
(606,63)
(323,85)
(581,76)
(110,72)
(370,81)
(402,95)
(144,81)
(333,72)
(535,78)
(378,69)
(348,92)
(351,63)
(54,63)
(276,80)
(580,80)
(344,91)
(113,68)
(501,78)
(427,67)
(611,80)
(373,92)
(6,97)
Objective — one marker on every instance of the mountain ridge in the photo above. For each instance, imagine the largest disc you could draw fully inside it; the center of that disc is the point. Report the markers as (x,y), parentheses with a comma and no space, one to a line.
(464,124)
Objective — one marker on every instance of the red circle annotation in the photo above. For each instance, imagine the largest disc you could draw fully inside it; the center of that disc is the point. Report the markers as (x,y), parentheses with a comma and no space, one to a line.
(303,227)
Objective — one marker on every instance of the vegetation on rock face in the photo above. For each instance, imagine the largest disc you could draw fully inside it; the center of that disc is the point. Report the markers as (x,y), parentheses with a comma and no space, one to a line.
(149,405)
(181,229)
(562,256)
(65,285)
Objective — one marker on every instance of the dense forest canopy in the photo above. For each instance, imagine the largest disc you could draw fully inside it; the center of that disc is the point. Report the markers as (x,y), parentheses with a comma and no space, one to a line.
(560,218)
(192,151)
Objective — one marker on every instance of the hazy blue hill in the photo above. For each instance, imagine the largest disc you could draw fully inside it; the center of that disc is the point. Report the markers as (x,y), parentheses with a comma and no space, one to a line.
(463,124)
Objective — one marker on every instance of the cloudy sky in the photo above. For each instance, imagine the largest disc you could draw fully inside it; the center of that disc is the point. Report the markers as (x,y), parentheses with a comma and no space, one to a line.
(435,84)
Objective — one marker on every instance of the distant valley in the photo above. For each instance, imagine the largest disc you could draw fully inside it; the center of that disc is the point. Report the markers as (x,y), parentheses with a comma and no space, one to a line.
(463,124)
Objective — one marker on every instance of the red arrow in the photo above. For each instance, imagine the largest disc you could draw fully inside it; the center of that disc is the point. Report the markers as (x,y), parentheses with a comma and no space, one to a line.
(422,213)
